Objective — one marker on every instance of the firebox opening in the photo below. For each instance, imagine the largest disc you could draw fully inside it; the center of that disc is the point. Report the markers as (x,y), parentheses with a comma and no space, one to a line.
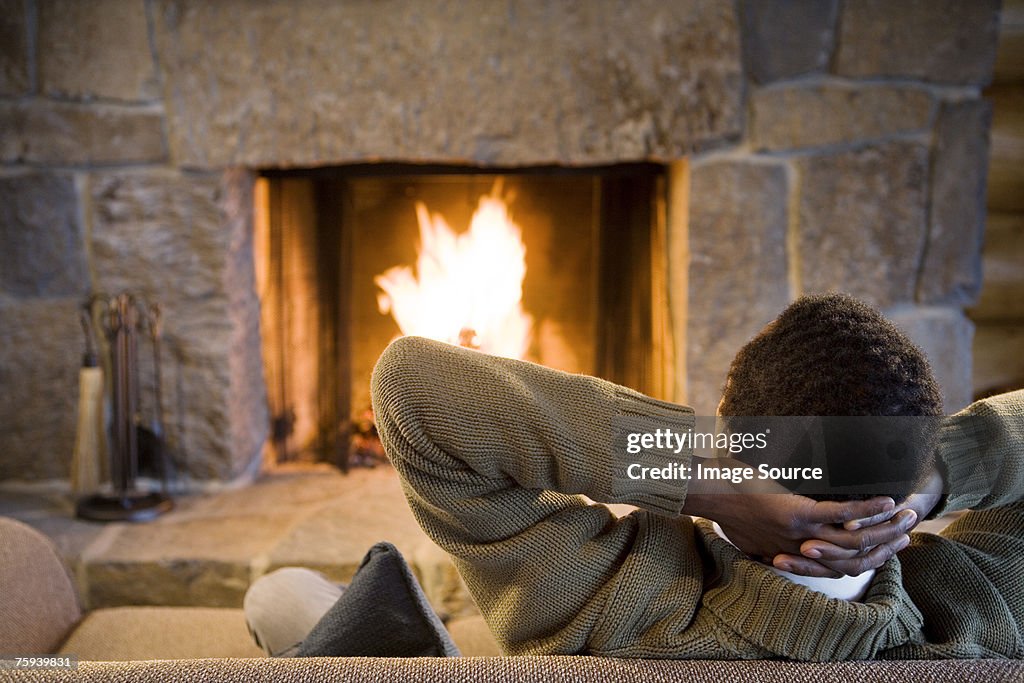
(594,289)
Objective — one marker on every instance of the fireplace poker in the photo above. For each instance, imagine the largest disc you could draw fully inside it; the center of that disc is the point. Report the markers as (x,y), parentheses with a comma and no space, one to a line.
(157,424)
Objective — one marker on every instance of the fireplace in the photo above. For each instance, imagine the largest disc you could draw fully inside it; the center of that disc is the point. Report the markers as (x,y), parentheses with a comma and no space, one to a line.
(594,295)
(800,151)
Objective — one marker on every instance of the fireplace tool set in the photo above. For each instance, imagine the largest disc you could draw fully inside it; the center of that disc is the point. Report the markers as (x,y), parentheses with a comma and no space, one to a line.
(122,319)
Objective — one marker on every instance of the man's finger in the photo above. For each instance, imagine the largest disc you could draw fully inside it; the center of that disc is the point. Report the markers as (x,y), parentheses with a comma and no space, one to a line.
(898,526)
(878,556)
(823,550)
(833,512)
(866,538)
(855,524)
(804,566)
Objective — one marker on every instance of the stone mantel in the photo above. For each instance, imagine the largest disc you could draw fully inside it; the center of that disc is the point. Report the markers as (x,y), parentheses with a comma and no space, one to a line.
(502,83)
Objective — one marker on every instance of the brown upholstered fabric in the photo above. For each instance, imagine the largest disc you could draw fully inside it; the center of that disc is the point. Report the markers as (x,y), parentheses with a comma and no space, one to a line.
(38,601)
(128,633)
(564,669)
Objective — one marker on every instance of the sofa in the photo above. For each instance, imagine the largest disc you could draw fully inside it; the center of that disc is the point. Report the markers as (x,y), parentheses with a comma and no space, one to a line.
(40,613)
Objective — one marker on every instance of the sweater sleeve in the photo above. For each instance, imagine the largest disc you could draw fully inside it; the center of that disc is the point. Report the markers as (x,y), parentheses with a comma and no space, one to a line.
(982,451)
(490,451)
(969,579)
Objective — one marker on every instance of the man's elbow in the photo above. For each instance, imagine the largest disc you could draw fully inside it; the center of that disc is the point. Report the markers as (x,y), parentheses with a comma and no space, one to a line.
(387,376)
(401,374)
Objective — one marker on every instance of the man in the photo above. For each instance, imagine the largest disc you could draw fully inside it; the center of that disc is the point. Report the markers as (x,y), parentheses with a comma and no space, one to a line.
(492,451)
(832,355)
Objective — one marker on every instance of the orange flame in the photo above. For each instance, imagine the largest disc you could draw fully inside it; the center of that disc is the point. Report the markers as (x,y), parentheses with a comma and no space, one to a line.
(469,287)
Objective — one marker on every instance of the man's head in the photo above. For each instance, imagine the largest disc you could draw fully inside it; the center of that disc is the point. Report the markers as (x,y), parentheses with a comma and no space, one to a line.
(831,355)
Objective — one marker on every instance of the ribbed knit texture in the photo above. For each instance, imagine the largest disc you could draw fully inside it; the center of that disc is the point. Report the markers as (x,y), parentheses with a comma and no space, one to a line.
(490,451)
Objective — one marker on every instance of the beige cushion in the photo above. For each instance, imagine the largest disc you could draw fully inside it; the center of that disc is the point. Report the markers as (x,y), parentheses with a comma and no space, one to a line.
(133,633)
(38,601)
(472,637)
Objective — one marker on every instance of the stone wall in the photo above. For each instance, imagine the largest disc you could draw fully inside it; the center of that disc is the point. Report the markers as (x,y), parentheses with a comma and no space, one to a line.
(829,151)
(861,169)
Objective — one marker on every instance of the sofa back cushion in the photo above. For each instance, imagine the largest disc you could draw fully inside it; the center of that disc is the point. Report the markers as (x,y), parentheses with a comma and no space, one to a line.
(38,602)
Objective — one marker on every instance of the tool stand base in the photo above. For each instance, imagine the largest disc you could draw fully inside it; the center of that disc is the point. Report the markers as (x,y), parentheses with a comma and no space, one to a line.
(129,507)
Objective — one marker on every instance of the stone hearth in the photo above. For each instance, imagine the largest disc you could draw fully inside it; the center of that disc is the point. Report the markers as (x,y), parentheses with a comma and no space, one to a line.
(211,547)
(823,149)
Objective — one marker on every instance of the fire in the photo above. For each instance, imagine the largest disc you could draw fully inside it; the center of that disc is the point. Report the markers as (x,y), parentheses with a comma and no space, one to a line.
(468,287)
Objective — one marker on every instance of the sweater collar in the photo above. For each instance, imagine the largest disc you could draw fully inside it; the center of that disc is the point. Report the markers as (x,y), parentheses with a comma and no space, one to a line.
(804,624)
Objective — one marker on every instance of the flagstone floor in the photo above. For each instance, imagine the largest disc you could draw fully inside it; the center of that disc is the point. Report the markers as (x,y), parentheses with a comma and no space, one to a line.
(212,546)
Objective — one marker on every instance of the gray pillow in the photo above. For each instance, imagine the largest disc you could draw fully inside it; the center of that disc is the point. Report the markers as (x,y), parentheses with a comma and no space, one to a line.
(382,613)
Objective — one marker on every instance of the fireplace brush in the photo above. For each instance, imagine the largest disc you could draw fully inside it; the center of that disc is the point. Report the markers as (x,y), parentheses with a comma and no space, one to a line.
(123,318)
(90,437)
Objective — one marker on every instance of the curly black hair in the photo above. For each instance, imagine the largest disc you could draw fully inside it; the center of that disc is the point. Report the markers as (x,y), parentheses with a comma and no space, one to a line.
(832,355)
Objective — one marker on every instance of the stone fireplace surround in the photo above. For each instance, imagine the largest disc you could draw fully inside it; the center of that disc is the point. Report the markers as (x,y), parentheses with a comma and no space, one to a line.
(831,145)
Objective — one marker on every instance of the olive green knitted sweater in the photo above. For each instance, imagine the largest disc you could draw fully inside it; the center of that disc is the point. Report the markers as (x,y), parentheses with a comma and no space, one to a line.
(491,451)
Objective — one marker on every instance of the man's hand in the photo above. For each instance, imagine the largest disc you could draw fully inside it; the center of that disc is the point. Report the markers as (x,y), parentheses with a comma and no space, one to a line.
(819,557)
(767,521)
